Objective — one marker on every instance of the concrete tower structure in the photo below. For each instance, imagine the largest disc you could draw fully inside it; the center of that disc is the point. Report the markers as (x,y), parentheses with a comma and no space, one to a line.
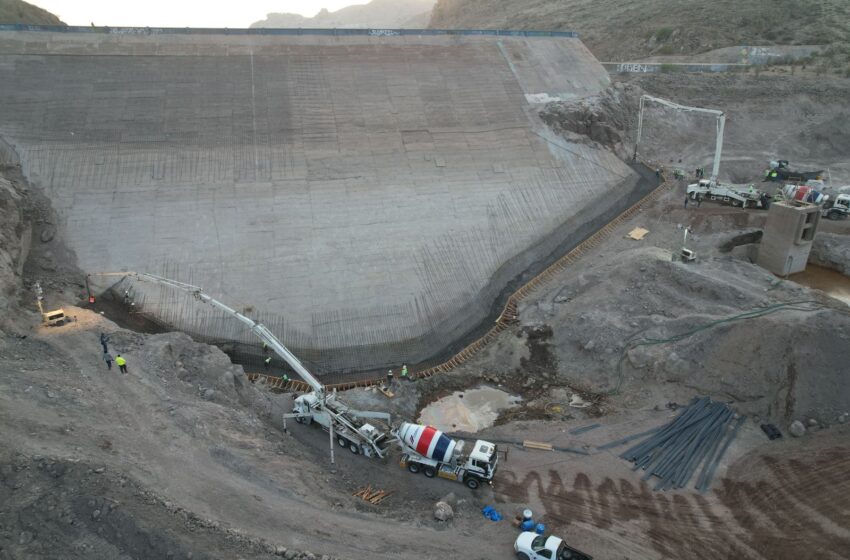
(788,235)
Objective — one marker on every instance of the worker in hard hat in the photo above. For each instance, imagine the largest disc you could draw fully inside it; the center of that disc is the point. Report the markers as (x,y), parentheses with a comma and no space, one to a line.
(389,377)
(267,363)
(404,371)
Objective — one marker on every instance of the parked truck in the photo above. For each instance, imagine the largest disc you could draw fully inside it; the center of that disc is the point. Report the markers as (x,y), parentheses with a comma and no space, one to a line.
(736,195)
(430,451)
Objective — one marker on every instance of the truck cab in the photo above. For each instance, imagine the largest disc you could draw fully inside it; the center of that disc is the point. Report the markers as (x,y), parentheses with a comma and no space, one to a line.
(482,460)
(531,546)
(837,208)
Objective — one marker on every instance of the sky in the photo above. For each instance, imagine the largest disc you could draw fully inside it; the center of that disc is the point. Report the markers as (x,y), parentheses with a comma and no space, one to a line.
(181,13)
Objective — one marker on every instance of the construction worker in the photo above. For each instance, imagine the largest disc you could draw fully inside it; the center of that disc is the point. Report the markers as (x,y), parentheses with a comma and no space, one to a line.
(284,378)
(389,377)
(265,348)
(122,363)
(107,357)
(699,200)
(103,340)
(267,363)
(404,371)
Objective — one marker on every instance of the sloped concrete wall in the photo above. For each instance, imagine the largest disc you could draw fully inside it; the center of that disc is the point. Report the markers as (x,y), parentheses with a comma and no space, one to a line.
(358,193)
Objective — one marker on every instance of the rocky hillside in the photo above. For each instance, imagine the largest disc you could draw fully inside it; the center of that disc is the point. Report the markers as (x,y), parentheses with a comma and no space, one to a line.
(391,14)
(17,11)
(616,30)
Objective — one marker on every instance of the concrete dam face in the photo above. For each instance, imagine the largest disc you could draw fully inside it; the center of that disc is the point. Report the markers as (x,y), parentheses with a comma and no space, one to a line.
(365,195)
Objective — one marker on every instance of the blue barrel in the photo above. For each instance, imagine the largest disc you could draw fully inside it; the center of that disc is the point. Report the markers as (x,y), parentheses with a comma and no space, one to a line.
(540,529)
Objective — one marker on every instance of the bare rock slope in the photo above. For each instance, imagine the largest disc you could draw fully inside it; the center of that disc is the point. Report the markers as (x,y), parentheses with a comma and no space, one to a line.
(621,30)
(17,11)
(390,14)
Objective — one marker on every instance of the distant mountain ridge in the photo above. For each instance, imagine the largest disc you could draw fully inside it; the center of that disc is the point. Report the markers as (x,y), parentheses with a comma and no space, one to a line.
(17,11)
(389,14)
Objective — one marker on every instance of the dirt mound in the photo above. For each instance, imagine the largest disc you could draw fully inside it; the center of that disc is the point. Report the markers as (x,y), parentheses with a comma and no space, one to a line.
(831,251)
(606,119)
(55,508)
(622,324)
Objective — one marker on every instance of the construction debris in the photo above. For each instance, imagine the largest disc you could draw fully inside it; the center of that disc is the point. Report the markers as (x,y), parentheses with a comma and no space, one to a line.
(371,495)
(637,234)
(701,434)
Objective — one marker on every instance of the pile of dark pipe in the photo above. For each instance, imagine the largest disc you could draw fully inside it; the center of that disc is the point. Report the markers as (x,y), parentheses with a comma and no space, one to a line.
(699,436)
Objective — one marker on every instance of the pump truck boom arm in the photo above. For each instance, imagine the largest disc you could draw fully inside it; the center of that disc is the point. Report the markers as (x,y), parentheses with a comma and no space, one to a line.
(257,328)
(721,125)
(345,425)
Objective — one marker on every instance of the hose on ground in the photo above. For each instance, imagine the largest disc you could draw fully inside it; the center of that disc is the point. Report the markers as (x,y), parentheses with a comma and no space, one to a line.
(634,341)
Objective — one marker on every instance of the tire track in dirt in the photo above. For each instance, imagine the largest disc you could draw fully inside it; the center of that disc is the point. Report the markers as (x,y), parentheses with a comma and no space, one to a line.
(770,507)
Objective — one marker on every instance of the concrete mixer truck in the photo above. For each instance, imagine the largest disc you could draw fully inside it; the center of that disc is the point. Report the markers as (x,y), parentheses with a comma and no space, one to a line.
(833,207)
(433,453)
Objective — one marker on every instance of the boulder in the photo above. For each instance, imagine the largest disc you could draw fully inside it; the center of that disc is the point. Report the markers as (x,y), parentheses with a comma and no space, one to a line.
(443,511)
(797,429)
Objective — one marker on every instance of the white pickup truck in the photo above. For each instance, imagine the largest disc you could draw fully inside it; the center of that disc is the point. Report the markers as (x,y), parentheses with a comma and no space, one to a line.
(531,546)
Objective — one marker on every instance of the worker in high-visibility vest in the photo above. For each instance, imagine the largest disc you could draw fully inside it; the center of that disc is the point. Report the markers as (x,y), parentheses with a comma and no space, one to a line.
(284,378)
(122,363)
(404,371)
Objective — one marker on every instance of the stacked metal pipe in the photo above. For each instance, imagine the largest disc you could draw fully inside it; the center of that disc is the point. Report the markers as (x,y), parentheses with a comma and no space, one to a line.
(699,436)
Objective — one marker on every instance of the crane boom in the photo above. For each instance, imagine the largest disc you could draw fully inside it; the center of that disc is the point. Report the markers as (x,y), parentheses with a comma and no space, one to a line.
(258,329)
(720,126)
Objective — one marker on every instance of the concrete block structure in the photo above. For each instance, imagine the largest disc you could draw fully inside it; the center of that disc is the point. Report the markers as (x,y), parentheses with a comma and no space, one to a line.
(788,236)
(367,194)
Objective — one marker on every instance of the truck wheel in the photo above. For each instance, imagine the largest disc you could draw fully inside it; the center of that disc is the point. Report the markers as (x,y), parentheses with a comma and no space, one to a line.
(342,442)
(833,215)
(522,556)
(413,467)
(736,202)
(354,448)
(472,483)
(299,419)
(368,452)
(430,472)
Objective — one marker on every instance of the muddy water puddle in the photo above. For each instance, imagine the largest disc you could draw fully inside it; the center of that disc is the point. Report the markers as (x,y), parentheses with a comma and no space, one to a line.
(469,411)
(830,282)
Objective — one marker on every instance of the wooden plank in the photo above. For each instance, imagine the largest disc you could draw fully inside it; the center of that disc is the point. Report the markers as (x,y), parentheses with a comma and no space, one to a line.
(537,445)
